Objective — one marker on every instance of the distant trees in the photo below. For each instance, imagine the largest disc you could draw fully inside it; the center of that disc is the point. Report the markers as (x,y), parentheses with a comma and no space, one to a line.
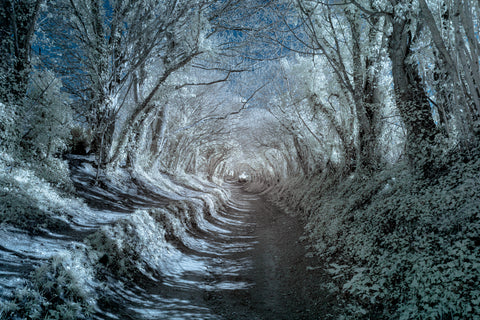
(119,65)
(115,59)
(351,48)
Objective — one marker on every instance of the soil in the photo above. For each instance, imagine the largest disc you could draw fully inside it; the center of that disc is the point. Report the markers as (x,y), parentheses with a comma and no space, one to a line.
(262,250)
(285,283)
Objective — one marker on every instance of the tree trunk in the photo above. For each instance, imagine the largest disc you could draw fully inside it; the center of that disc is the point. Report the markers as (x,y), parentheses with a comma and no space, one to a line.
(452,91)
(301,156)
(363,96)
(411,99)
(17,26)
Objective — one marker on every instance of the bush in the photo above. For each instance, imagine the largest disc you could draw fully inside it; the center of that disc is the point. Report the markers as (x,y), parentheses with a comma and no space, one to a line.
(37,131)
(63,288)
(29,202)
(125,248)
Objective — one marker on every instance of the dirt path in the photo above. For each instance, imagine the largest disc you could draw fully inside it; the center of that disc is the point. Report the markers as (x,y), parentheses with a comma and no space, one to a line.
(282,287)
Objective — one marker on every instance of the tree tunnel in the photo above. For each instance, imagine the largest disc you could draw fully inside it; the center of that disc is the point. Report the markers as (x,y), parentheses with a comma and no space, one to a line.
(239,159)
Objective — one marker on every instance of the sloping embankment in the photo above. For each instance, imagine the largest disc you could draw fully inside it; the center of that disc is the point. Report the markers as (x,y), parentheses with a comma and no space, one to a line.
(396,246)
(126,255)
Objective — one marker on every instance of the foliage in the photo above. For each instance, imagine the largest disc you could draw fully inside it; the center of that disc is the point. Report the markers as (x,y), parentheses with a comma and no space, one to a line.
(125,248)
(370,82)
(68,285)
(62,288)
(37,131)
(46,118)
(28,201)
(400,246)
(8,128)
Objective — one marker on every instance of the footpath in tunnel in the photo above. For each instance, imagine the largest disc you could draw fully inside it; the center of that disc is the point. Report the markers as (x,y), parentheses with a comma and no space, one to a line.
(281,284)
(243,261)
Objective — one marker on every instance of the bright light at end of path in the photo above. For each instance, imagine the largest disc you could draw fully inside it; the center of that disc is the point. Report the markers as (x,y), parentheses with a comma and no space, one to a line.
(242,177)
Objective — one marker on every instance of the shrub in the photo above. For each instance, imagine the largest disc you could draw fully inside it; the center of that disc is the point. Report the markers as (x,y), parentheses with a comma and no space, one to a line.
(62,288)
(29,202)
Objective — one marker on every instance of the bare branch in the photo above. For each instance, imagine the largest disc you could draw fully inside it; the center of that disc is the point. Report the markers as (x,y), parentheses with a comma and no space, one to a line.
(223,117)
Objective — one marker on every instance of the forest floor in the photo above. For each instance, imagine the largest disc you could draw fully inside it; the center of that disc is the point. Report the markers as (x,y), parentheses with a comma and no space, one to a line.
(284,284)
(248,262)
(269,257)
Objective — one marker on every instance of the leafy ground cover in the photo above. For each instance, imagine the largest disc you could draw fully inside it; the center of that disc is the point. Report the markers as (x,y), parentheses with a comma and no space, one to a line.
(397,246)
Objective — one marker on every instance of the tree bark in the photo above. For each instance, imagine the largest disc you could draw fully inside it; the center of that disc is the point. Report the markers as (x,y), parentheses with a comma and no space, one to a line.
(412,102)
(17,26)
(363,97)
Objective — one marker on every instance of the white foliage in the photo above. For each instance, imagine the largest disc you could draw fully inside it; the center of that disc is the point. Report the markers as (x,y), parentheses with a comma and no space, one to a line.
(46,116)
(63,288)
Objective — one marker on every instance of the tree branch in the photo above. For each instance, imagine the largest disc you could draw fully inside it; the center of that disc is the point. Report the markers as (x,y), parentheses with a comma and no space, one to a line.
(223,117)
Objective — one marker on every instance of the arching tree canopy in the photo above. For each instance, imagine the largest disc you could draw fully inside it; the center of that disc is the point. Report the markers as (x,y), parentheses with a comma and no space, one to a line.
(348,83)
(285,94)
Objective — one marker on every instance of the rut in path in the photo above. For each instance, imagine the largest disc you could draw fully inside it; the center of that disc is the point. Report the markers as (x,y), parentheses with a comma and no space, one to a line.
(281,285)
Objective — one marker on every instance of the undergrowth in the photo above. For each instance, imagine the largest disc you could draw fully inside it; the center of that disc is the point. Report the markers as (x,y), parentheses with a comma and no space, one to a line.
(71,283)
(397,246)
(61,288)
(29,202)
